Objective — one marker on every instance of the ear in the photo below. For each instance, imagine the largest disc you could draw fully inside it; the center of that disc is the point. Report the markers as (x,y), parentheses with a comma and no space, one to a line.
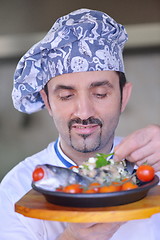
(46,101)
(127,89)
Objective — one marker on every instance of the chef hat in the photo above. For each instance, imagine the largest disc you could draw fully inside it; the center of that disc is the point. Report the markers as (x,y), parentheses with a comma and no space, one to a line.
(84,40)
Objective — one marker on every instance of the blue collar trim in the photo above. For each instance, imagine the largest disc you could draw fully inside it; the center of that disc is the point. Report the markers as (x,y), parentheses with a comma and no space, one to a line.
(61,158)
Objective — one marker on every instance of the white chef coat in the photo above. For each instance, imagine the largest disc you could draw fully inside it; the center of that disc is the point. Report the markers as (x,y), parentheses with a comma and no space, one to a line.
(17,183)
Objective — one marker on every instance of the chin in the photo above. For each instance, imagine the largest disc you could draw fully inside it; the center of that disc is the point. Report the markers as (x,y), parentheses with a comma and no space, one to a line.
(85,147)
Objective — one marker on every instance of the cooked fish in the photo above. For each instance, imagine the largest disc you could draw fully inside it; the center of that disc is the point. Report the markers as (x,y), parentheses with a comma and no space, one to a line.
(55,177)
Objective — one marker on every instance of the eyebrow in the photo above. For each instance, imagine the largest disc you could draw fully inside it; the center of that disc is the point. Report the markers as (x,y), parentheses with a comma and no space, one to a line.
(59,87)
(94,84)
(102,83)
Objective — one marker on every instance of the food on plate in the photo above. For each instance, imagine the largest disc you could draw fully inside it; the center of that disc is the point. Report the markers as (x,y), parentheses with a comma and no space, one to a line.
(38,174)
(103,169)
(145,173)
(55,177)
(108,188)
(73,188)
(128,186)
(99,174)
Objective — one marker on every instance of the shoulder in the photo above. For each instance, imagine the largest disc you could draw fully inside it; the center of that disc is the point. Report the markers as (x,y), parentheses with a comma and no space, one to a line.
(17,182)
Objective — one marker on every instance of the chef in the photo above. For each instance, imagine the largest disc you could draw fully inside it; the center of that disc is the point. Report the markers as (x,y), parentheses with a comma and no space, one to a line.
(77,73)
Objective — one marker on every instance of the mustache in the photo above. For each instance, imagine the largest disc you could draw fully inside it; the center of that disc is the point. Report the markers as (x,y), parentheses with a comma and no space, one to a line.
(88,121)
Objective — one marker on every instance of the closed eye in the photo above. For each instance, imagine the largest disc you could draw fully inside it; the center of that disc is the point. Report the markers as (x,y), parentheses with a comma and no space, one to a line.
(100,96)
(65,98)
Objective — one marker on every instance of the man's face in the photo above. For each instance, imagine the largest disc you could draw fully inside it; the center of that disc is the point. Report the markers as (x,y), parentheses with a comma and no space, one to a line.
(85,107)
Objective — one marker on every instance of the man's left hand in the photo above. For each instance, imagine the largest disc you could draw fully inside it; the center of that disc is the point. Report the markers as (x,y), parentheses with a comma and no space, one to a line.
(141,146)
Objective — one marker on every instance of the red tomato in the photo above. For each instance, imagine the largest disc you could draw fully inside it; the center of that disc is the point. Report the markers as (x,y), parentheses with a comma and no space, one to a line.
(38,174)
(73,188)
(117,185)
(93,184)
(110,188)
(89,191)
(94,187)
(145,173)
(128,186)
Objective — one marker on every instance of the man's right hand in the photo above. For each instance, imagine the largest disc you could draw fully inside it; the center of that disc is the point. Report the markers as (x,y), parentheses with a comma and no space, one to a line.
(87,231)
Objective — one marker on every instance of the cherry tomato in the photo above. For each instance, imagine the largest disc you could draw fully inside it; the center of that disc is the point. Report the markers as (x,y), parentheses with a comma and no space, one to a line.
(73,188)
(95,186)
(145,173)
(38,174)
(89,191)
(128,186)
(110,188)
(117,185)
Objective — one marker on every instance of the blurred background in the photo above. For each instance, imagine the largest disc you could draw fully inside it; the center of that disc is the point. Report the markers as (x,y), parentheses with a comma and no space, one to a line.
(24,22)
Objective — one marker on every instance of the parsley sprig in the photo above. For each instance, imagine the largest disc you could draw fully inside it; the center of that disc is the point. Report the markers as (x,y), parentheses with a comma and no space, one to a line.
(102,159)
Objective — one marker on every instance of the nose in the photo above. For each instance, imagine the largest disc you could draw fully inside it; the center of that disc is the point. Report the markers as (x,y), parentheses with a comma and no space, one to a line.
(84,108)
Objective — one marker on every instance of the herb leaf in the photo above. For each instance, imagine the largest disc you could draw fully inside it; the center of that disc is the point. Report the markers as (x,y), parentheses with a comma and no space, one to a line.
(102,159)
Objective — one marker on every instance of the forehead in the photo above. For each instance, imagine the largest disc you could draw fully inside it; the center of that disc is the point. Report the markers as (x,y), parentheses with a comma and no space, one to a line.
(84,78)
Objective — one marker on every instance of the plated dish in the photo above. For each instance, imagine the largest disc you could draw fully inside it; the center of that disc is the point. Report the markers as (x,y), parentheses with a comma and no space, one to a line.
(54,182)
(97,199)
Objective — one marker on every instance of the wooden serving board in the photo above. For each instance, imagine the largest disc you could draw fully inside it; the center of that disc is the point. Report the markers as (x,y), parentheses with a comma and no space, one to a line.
(34,205)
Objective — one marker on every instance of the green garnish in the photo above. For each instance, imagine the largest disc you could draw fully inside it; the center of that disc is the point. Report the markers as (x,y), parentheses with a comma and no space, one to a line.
(102,159)
(85,166)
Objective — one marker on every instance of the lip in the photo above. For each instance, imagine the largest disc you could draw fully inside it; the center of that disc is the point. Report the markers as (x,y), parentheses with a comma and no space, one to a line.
(85,129)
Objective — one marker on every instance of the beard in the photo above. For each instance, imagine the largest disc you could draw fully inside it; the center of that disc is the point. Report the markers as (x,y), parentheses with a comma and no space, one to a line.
(85,143)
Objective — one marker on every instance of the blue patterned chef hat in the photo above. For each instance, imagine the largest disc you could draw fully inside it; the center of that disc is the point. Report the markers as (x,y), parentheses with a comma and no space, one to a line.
(84,40)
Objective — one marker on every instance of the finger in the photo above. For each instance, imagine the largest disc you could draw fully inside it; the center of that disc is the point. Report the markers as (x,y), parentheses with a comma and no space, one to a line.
(156,166)
(153,160)
(82,225)
(130,144)
(137,140)
(107,229)
(114,225)
(142,154)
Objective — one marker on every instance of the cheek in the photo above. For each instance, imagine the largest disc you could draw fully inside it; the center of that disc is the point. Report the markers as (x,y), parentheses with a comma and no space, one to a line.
(61,113)
(116,103)
(111,107)
(60,117)
(110,114)
(59,123)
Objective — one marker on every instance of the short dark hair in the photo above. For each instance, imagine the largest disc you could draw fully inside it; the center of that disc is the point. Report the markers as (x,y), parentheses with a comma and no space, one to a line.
(46,89)
(122,81)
